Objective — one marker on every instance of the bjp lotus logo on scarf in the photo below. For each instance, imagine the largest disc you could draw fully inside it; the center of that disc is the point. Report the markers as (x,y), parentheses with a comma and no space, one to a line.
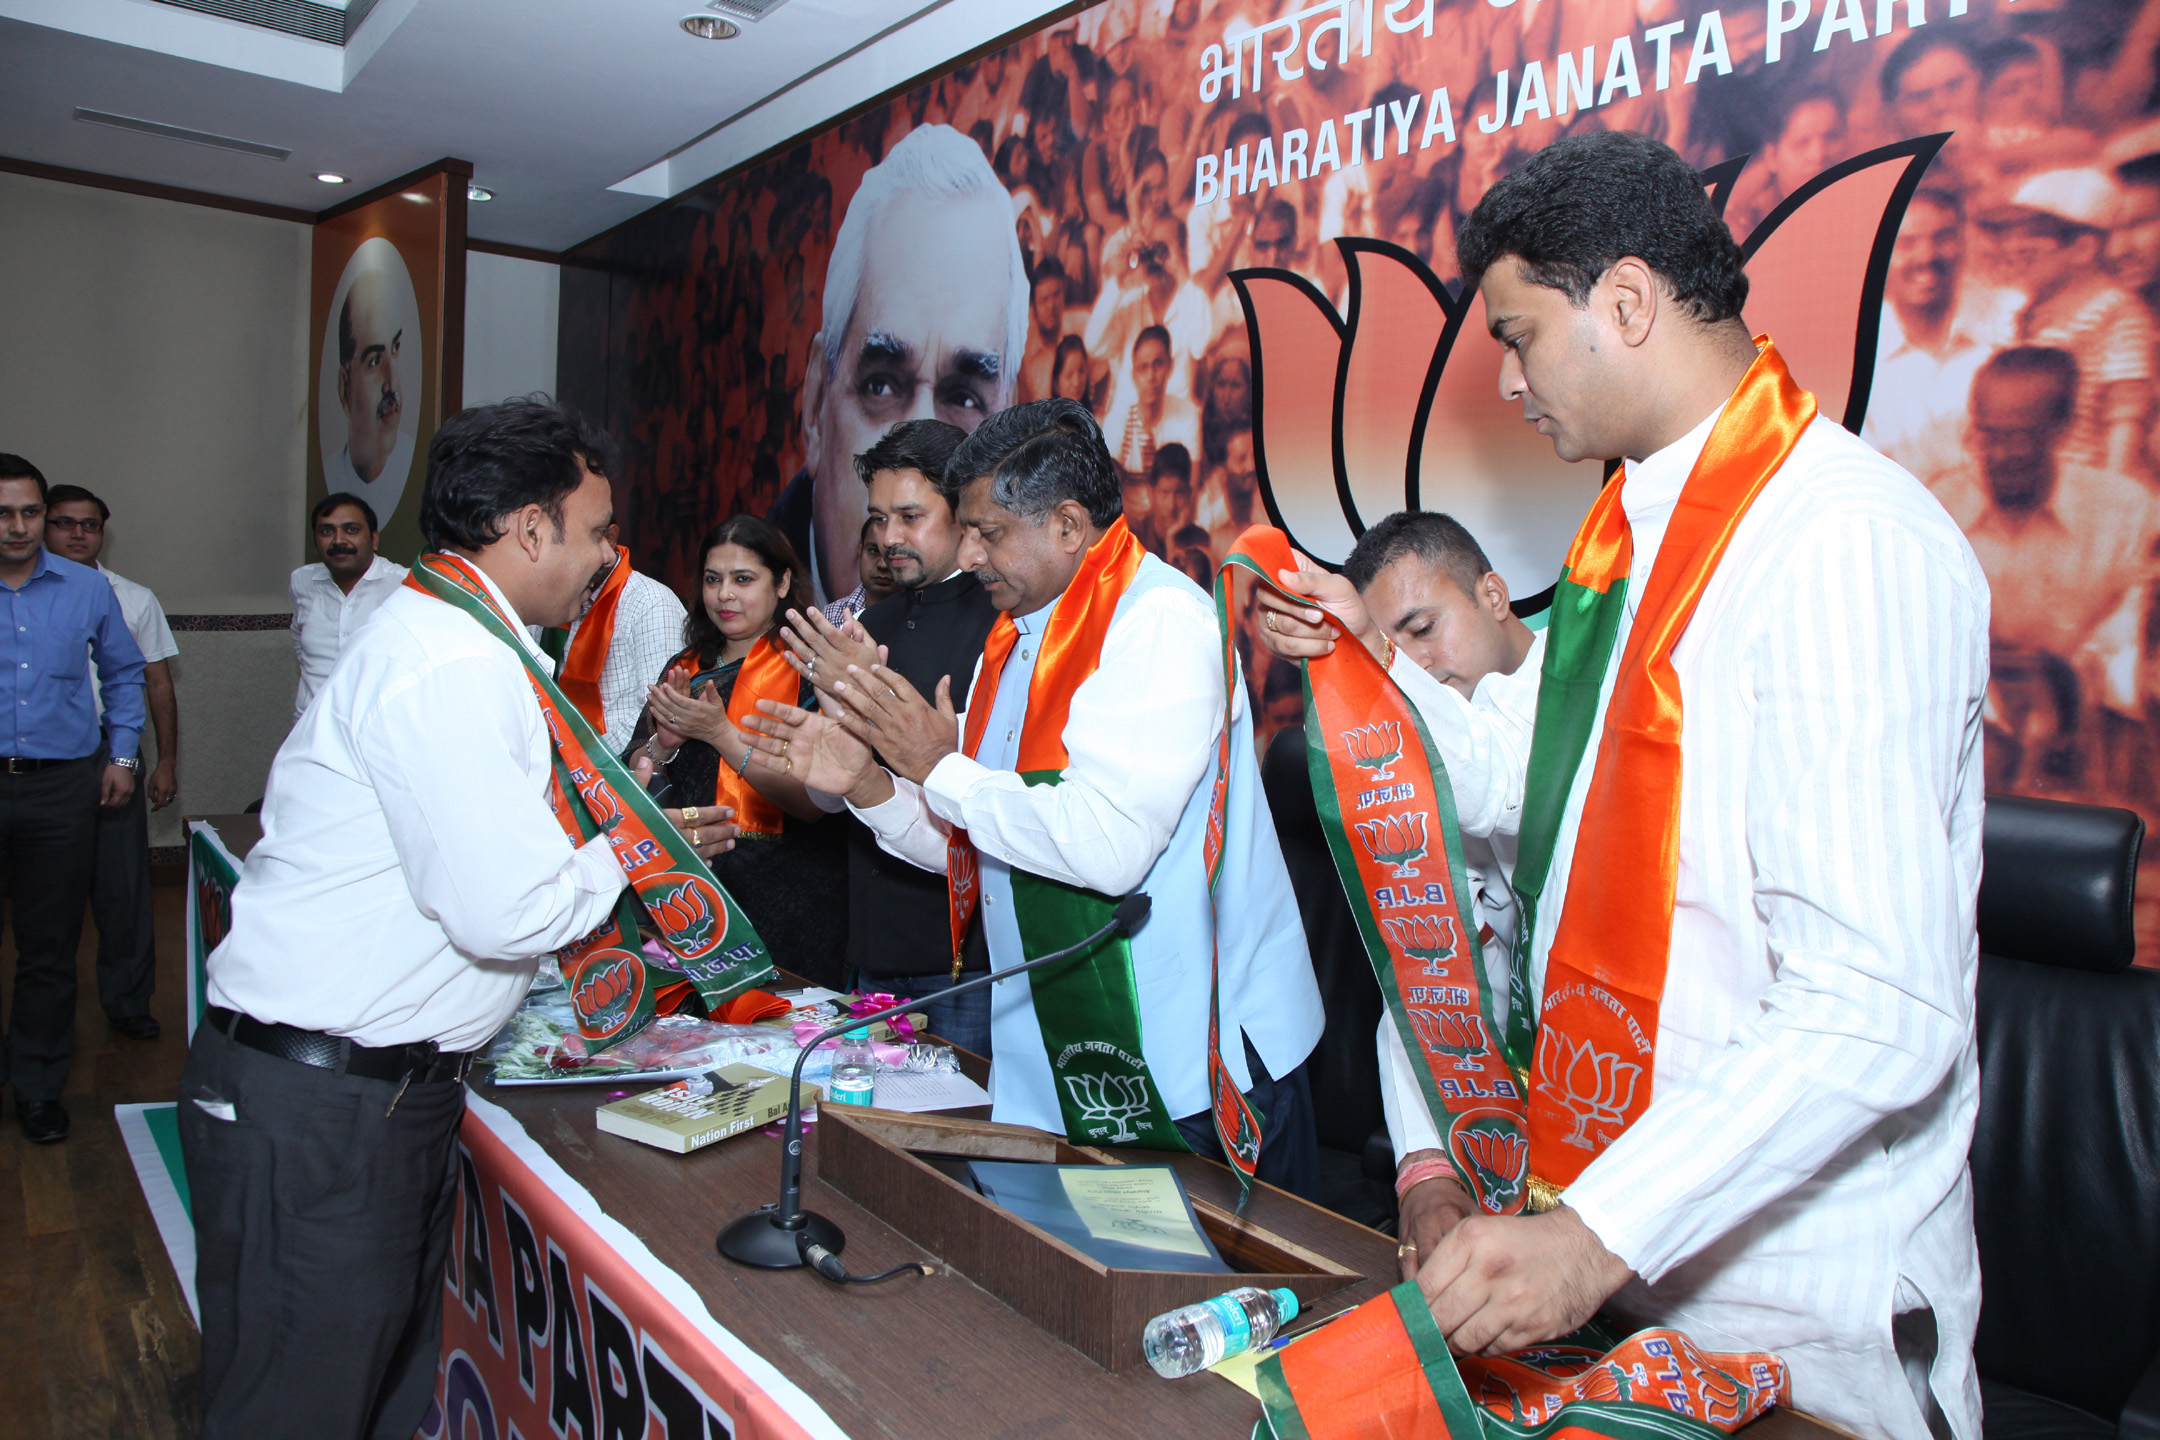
(1593,1085)
(1494,1153)
(960,870)
(1460,1037)
(1375,747)
(607,992)
(1429,939)
(689,912)
(1113,1100)
(600,801)
(1390,404)
(1397,840)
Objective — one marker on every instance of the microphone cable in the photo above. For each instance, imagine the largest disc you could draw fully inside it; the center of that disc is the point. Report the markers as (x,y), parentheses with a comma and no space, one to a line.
(830,1266)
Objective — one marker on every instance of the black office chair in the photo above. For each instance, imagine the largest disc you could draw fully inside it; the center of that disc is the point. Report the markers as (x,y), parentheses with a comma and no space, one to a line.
(2066,1154)
(1357,1167)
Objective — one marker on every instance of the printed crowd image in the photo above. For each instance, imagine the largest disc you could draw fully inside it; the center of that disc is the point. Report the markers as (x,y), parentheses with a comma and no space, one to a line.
(1228,228)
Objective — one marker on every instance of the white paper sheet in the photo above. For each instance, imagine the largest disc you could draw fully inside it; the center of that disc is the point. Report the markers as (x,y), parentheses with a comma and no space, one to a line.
(900,1091)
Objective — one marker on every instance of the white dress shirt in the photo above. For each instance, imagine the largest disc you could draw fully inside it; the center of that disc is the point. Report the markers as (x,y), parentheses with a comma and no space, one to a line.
(325,618)
(1129,815)
(145,621)
(648,634)
(1480,739)
(410,871)
(1800,1174)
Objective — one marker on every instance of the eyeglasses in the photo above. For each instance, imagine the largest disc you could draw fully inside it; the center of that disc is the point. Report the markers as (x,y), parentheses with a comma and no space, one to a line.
(69,522)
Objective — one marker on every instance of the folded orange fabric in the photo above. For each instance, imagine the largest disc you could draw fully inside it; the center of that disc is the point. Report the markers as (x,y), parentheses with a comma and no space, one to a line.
(750,1007)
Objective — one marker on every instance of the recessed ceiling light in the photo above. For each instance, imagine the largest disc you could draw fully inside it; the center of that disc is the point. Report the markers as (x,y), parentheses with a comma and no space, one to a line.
(477,192)
(710,27)
(329,179)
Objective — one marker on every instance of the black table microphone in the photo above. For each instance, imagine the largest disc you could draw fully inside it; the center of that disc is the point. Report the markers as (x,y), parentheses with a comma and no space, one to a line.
(780,1237)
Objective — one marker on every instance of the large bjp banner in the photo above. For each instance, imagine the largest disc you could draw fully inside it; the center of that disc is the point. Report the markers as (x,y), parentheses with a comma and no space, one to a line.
(1228,227)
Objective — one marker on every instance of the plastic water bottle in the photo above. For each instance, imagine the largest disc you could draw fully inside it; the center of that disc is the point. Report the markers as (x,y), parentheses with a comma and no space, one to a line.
(854,1071)
(1194,1337)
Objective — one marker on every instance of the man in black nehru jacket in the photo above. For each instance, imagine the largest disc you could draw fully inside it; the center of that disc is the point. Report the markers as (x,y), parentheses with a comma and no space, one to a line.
(899,933)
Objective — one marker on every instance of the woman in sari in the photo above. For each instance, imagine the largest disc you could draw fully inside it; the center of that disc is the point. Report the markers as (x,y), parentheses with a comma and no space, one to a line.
(788,870)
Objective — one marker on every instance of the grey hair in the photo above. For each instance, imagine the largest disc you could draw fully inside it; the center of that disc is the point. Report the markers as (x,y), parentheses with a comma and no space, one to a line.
(936,162)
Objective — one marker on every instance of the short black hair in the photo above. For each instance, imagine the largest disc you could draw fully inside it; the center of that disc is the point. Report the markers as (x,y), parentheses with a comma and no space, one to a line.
(1918,46)
(75,494)
(346,345)
(337,500)
(923,445)
(490,461)
(2045,361)
(1439,540)
(1173,459)
(1587,201)
(1039,455)
(1048,268)
(14,467)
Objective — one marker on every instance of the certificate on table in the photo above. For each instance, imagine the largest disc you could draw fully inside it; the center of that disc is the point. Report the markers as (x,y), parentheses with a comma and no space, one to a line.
(1129,1217)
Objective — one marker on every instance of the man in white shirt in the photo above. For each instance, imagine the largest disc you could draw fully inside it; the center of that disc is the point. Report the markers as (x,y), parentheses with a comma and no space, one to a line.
(323,1090)
(75,526)
(1106,675)
(332,599)
(1781,1165)
(643,630)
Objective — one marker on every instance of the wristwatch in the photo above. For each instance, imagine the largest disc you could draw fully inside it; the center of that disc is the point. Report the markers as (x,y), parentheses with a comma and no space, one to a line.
(129,763)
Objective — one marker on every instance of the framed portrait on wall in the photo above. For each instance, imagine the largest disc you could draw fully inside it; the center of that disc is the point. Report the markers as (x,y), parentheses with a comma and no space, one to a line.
(387,344)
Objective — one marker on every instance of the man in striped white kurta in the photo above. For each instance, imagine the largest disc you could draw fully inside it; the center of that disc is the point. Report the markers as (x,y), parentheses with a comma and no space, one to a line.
(1798,1181)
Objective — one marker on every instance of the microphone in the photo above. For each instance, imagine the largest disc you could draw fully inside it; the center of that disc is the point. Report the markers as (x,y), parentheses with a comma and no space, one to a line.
(782,1236)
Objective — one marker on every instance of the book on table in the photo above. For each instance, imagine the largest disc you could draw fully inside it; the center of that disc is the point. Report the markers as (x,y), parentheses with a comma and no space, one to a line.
(680,1118)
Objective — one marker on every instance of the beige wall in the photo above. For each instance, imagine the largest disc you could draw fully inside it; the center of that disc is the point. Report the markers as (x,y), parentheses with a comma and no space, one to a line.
(156,353)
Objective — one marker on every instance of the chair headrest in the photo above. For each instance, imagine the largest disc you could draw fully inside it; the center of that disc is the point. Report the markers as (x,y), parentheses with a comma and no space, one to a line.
(2057,882)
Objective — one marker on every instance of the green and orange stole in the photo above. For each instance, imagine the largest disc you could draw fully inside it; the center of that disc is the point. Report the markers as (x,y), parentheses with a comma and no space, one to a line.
(614,990)
(584,655)
(1089,1008)
(1580,1058)
(765,675)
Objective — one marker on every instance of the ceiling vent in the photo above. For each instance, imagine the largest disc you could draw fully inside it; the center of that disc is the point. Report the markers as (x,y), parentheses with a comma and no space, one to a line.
(309,19)
(181,132)
(744,9)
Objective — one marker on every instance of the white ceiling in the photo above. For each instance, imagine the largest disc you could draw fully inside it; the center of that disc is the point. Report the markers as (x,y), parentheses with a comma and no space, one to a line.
(553,101)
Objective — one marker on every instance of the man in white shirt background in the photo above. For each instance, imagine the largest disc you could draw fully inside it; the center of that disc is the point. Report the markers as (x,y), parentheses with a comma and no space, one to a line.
(76,525)
(644,632)
(1794,1179)
(1129,718)
(325,1084)
(334,597)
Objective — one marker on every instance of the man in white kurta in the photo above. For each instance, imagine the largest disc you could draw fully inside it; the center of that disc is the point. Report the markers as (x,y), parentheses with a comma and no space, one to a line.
(1798,1181)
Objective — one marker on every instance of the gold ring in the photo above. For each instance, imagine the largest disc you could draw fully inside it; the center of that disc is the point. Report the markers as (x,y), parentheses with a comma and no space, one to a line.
(1406,1249)
(690,814)
(787,767)
(694,841)
(784,745)
(1270,620)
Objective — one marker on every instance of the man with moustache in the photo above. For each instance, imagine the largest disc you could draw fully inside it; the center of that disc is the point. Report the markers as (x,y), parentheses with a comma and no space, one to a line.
(369,340)
(898,932)
(334,597)
(1751,1087)
(925,317)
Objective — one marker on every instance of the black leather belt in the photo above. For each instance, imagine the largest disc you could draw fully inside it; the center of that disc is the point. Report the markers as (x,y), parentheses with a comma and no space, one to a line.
(26,765)
(422,1062)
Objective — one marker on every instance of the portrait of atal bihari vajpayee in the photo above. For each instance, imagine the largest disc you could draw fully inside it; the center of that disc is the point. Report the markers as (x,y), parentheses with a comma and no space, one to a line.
(925,316)
(371,354)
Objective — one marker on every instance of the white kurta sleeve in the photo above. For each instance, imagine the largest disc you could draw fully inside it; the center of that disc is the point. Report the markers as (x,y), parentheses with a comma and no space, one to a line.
(1409,1121)
(1140,736)
(1867,685)
(1484,742)
(904,826)
(480,849)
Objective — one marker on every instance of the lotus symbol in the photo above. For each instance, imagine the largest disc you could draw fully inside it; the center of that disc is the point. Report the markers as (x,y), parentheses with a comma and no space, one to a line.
(685,918)
(1397,840)
(1430,939)
(213,912)
(1595,1085)
(960,873)
(1460,1037)
(600,802)
(1375,747)
(1499,1158)
(1110,1099)
(603,996)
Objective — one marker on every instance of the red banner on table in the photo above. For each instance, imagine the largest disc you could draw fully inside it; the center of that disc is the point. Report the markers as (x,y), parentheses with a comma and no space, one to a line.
(557,1320)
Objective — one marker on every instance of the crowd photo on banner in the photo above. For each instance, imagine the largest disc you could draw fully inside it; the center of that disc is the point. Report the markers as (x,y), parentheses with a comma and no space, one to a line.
(1067,216)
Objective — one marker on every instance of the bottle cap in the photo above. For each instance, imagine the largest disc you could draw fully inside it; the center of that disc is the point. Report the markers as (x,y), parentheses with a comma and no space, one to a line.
(1286,1301)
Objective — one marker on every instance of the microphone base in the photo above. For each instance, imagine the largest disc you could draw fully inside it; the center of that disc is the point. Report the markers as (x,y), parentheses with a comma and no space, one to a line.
(756,1241)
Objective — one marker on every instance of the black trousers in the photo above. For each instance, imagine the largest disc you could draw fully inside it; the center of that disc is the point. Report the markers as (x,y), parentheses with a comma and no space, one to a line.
(1289,1136)
(120,904)
(48,839)
(321,1230)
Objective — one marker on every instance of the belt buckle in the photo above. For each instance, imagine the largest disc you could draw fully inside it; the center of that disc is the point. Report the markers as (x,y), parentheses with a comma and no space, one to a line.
(12,762)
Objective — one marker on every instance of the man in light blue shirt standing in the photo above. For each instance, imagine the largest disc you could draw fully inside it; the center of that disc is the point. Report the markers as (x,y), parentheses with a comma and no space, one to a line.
(55,618)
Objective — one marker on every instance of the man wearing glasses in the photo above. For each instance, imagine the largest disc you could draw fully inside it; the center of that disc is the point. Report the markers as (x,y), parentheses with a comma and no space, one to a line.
(75,527)
(56,617)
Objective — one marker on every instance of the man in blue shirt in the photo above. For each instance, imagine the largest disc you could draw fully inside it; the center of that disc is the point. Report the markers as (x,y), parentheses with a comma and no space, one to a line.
(55,617)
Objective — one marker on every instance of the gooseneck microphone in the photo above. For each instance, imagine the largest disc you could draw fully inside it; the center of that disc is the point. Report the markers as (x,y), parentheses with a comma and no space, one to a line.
(785,1236)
